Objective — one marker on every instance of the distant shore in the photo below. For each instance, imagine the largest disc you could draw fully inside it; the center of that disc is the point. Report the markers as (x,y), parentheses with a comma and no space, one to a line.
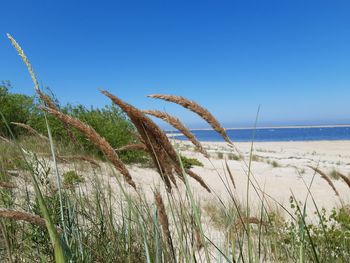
(275,127)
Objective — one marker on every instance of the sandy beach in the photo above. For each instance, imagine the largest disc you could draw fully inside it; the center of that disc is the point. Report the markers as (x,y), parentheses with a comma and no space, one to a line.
(278,169)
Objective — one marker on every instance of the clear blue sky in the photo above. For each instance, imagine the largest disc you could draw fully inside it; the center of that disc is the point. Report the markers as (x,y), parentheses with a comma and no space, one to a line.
(292,57)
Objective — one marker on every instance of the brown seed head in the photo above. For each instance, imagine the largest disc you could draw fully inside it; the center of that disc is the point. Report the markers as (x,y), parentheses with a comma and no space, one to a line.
(22,216)
(97,140)
(326,178)
(156,141)
(30,129)
(177,124)
(196,108)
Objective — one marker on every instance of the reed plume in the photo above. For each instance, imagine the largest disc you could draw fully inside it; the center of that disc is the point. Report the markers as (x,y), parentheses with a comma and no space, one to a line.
(48,102)
(196,108)
(81,158)
(97,140)
(163,220)
(7,185)
(326,178)
(25,60)
(156,141)
(5,139)
(345,178)
(198,179)
(230,174)
(248,220)
(30,129)
(134,146)
(177,124)
(197,239)
(22,216)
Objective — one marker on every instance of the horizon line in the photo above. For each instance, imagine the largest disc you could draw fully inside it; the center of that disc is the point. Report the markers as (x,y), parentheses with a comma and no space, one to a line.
(274,127)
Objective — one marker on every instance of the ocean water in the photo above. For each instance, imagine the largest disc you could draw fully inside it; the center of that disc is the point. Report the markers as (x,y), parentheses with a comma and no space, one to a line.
(273,134)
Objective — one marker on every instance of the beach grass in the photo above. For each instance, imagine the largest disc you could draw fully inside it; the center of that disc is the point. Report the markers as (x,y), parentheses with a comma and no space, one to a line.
(52,208)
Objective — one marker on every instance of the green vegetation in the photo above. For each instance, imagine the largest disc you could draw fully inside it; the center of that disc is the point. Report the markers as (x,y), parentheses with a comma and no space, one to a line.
(220,155)
(334,174)
(72,178)
(275,164)
(109,122)
(232,156)
(104,220)
(256,158)
(188,163)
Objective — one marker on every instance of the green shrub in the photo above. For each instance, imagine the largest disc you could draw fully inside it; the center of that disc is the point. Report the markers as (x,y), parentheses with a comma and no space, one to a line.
(334,174)
(188,163)
(110,122)
(275,164)
(255,158)
(232,156)
(220,155)
(15,108)
(72,178)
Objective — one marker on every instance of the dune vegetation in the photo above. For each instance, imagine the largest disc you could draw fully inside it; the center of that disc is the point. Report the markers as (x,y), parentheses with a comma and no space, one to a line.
(56,204)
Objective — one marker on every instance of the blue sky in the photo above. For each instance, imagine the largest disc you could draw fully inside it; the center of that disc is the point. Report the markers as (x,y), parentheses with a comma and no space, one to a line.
(290,57)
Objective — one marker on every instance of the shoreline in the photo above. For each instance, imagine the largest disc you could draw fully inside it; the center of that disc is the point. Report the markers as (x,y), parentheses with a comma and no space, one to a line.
(263,142)
(274,127)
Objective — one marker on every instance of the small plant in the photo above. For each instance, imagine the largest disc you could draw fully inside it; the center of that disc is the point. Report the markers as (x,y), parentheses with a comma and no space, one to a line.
(188,163)
(275,164)
(72,178)
(255,158)
(232,156)
(334,174)
(220,155)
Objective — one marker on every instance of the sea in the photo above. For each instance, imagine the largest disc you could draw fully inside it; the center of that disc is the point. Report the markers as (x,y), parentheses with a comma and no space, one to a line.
(272,134)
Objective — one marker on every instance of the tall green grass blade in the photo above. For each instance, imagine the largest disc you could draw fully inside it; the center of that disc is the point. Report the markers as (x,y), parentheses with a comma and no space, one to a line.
(59,252)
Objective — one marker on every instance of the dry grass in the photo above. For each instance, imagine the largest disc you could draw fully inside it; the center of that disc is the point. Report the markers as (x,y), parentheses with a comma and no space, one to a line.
(198,179)
(5,139)
(158,145)
(80,158)
(22,216)
(345,178)
(97,140)
(132,147)
(177,124)
(51,104)
(30,129)
(230,174)
(163,219)
(196,108)
(240,222)
(325,177)
(7,185)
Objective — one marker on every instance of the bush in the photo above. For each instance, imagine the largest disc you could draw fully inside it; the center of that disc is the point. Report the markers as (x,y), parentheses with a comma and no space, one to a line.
(110,122)
(188,163)
(72,178)
(334,174)
(220,155)
(232,156)
(15,108)
(275,164)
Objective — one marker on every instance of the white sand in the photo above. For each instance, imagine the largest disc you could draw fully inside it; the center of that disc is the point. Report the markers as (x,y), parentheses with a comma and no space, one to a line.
(291,176)
(278,183)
